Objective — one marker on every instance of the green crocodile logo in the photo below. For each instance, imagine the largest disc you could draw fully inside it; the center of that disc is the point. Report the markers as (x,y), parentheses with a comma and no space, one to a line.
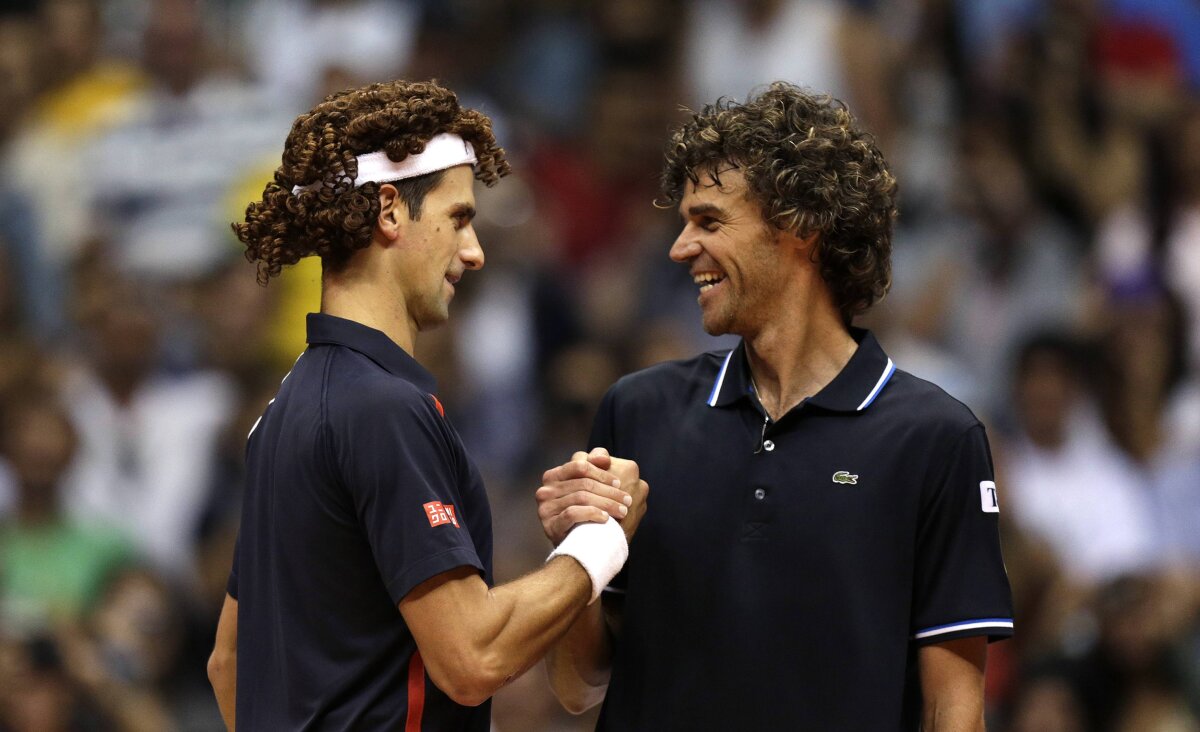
(843,476)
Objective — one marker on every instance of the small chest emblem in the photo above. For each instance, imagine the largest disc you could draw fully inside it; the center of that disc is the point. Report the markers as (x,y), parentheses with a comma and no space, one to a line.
(845,477)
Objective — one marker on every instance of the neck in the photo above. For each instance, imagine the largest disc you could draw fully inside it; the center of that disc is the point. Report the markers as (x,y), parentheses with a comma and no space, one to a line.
(353,295)
(792,358)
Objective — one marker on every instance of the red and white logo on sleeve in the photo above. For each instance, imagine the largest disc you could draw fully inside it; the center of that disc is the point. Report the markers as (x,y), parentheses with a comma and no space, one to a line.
(440,513)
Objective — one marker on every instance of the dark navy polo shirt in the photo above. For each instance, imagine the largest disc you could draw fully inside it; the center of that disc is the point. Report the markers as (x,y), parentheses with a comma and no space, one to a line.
(786,572)
(358,489)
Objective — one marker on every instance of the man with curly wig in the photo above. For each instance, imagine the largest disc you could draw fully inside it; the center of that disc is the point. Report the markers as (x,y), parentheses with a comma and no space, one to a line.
(823,550)
(361,594)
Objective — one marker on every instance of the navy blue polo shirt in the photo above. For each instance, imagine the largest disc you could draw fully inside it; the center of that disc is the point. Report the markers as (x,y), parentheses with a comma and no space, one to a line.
(358,490)
(786,572)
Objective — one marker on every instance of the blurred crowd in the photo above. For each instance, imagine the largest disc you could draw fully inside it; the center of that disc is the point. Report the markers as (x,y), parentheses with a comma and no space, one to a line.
(1047,273)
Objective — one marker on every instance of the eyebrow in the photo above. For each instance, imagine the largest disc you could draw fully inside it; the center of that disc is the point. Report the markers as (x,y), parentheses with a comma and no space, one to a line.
(702,209)
(463,209)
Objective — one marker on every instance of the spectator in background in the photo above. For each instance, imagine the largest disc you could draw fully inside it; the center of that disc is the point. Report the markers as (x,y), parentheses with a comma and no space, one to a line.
(835,46)
(129,658)
(1128,680)
(1181,257)
(38,692)
(1006,267)
(1067,483)
(147,439)
(168,165)
(1144,351)
(1177,507)
(38,294)
(293,46)
(83,95)
(1047,702)
(51,565)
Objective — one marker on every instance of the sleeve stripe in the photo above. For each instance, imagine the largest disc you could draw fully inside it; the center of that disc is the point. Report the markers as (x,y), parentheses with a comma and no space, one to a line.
(1006,623)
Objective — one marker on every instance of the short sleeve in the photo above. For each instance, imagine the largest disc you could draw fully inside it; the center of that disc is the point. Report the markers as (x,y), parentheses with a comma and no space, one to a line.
(404,470)
(961,586)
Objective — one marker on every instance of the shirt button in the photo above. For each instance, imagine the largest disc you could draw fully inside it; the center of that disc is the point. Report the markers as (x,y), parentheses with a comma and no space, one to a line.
(768,445)
(760,494)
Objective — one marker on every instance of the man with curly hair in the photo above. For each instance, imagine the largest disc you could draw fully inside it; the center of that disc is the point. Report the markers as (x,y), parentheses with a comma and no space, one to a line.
(361,594)
(823,552)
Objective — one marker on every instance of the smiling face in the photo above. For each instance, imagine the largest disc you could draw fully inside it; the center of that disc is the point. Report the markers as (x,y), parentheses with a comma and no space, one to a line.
(734,257)
(438,247)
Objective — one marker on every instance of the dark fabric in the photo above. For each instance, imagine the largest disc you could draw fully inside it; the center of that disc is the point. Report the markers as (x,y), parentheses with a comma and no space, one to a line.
(783,569)
(358,490)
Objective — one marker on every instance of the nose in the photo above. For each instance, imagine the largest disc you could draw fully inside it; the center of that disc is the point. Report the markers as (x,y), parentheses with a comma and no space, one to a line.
(471,251)
(685,247)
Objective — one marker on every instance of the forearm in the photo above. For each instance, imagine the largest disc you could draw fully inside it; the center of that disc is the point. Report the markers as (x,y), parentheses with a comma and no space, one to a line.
(536,610)
(223,676)
(960,715)
(952,675)
(222,664)
(579,664)
(474,639)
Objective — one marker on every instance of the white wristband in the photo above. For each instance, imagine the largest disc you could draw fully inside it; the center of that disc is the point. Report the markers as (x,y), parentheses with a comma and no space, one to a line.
(601,549)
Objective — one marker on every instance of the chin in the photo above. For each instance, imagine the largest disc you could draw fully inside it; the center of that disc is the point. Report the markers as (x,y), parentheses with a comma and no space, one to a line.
(433,320)
(717,325)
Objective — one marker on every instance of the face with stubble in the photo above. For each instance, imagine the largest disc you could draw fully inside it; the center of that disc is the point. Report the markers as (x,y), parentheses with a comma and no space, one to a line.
(734,257)
(438,247)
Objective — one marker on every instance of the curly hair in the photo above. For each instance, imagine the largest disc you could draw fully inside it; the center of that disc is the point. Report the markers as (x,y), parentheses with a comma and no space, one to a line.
(334,219)
(811,169)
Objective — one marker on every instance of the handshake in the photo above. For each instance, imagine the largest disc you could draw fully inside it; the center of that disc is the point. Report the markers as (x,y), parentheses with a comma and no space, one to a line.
(576,501)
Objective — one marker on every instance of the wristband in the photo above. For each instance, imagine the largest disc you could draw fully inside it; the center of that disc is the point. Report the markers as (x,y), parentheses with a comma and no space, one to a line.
(601,549)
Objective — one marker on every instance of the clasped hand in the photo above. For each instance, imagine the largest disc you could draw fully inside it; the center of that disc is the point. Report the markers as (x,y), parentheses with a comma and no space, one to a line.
(591,486)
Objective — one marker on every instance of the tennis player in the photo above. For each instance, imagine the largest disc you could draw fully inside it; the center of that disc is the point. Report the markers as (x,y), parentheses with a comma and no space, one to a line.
(823,551)
(361,594)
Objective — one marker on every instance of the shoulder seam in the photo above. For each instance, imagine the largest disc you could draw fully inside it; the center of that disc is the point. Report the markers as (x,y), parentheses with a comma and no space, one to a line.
(943,392)
(326,433)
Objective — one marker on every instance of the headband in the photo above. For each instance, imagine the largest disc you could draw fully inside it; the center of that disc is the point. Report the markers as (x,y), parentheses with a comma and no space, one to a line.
(443,151)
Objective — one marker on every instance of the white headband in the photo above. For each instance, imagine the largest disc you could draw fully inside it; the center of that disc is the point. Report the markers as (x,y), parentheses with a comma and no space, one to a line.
(441,152)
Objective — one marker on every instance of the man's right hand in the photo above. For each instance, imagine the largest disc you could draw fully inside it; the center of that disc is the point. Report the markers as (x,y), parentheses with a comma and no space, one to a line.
(582,490)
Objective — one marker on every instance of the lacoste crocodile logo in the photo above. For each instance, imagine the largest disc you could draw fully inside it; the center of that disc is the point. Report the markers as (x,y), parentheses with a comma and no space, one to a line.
(845,477)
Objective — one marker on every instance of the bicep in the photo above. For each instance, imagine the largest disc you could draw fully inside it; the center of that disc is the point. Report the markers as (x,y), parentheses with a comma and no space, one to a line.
(227,627)
(441,613)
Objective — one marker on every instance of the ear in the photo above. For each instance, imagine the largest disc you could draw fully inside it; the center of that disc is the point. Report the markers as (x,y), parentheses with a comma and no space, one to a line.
(393,214)
(805,246)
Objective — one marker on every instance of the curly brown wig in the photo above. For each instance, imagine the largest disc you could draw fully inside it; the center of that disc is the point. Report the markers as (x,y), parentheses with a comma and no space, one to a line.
(334,219)
(811,169)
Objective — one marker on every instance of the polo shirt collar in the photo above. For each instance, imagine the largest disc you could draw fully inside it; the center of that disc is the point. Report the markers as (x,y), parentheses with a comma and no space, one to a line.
(331,330)
(854,388)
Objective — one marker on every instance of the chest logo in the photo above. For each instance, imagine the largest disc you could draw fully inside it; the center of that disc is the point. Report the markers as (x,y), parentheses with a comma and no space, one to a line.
(844,477)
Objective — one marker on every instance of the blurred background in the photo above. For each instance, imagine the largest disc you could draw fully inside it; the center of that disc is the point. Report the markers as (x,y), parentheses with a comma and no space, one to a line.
(1047,273)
